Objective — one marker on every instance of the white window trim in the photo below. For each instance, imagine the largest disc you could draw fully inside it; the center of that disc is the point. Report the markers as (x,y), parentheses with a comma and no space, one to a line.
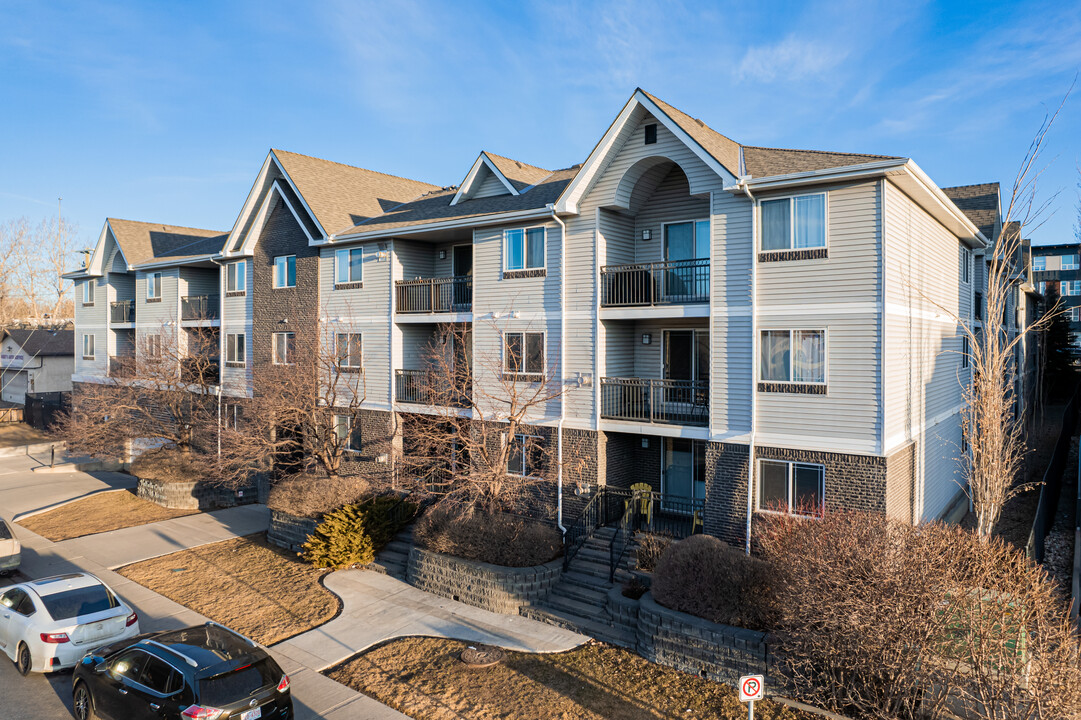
(1042,259)
(338,283)
(791,487)
(503,353)
(338,333)
(157,285)
(525,464)
(348,439)
(792,222)
(964,350)
(792,355)
(966,269)
(243,355)
(694,223)
(525,249)
(89,292)
(274,280)
(1074,264)
(274,359)
(240,276)
(92,343)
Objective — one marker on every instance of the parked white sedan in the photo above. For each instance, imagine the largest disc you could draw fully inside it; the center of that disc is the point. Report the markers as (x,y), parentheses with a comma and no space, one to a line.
(48,625)
(10,549)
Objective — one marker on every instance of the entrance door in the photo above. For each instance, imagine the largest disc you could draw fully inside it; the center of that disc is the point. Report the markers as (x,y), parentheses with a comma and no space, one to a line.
(686,361)
(463,268)
(683,475)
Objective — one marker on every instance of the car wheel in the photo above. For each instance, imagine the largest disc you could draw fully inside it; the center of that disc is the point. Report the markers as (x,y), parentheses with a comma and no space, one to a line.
(23,663)
(83,703)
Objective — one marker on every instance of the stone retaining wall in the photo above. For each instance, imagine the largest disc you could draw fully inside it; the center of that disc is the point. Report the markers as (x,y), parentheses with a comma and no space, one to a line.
(491,587)
(194,495)
(289,531)
(622,610)
(711,650)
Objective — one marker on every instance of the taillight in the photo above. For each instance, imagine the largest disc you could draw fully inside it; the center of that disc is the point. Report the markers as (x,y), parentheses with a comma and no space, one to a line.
(132,619)
(284,684)
(198,712)
(55,638)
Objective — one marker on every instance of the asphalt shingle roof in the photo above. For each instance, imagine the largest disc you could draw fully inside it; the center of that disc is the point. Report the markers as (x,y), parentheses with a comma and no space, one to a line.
(43,342)
(723,149)
(520,174)
(980,203)
(767,162)
(143,242)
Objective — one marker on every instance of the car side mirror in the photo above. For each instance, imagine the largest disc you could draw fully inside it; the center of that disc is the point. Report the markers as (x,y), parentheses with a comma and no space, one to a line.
(100,665)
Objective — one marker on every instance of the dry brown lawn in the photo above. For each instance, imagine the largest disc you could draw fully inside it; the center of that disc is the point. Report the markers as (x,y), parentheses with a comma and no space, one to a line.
(423,678)
(259,590)
(17,433)
(98,513)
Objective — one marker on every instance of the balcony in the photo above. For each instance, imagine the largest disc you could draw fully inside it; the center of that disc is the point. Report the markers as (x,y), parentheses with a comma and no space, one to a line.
(670,402)
(122,311)
(434,295)
(661,283)
(199,307)
(121,366)
(420,387)
(200,370)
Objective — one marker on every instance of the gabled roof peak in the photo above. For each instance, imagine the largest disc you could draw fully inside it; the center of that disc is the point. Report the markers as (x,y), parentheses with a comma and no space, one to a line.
(279,151)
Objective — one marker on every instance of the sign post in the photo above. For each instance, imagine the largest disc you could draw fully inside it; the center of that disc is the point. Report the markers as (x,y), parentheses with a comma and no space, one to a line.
(751,688)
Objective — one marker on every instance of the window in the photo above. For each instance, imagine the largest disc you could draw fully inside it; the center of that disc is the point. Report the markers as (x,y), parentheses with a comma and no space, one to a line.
(153,346)
(796,356)
(964,351)
(523,353)
(129,665)
(232,414)
(791,487)
(285,271)
(965,263)
(651,134)
(88,347)
(1042,287)
(283,348)
(1071,287)
(348,433)
(236,277)
(153,286)
(523,249)
(160,677)
(1039,264)
(978,309)
(794,223)
(235,352)
(88,292)
(1073,314)
(348,350)
(1069,262)
(348,265)
(19,601)
(525,457)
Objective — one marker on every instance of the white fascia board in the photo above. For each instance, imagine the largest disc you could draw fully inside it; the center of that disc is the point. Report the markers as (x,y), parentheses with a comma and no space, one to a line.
(171,263)
(468,222)
(303,202)
(95,266)
(482,161)
(248,247)
(249,203)
(568,201)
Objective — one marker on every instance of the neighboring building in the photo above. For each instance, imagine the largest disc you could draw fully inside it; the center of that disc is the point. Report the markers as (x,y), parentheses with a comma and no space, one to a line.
(704,303)
(35,360)
(1059,266)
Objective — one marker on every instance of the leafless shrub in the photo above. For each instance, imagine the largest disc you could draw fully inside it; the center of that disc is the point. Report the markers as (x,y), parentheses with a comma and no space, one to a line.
(495,538)
(169,465)
(884,620)
(650,549)
(313,496)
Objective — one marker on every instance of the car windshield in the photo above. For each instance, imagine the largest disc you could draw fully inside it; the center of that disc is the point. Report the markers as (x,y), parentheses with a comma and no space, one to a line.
(5,531)
(237,685)
(81,601)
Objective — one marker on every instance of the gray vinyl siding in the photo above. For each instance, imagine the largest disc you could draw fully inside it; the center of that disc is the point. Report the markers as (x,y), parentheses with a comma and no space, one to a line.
(92,320)
(730,323)
(489,186)
(838,294)
(417,347)
(585,339)
(153,318)
(941,471)
(199,281)
(416,259)
(668,203)
(236,319)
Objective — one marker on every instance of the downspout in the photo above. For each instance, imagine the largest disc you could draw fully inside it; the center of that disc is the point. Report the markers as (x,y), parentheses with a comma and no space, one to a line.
(562,372)
(221,345)
(754,359)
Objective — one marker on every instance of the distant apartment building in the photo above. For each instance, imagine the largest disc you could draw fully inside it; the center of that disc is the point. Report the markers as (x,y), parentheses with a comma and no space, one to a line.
(1059,267)
(744,329)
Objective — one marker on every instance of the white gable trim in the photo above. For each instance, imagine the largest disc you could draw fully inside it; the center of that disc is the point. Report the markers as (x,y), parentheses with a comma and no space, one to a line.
(252,237)
(597,160)
(304,203)
(467,185)
(245,210)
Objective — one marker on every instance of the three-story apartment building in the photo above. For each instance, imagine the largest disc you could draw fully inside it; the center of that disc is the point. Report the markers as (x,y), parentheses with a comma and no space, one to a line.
(1059,266)
(744,329)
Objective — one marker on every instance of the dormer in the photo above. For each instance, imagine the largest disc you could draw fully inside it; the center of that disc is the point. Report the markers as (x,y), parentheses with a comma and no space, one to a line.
(493,175)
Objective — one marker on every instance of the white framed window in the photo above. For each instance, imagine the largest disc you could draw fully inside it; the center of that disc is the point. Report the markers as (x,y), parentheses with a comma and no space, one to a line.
(285,271)
(153,347)
(525,457)
(966,262)
(1069,262)
(793,356)
(283,348)
(1073,314)
(235,352)
(791,487)
(523,353)
(794,223)
(965,351)
(1042,287)
(236,277)
(153,286)
(88,292)
(348,433)
(348,347)
(1039,263)
(523,249)
(348,265)
(1071,288)
(88,347)
(231,415)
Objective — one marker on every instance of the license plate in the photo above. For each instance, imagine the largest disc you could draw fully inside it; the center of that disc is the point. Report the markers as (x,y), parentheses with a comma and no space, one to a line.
(252,714)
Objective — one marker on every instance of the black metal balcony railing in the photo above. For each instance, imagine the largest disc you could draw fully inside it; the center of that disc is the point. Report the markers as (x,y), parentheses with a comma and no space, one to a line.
(121,366)
(200,371)
(422,387)
(122,311)
(434,295)
(199,307)
(672,402)
(659,283)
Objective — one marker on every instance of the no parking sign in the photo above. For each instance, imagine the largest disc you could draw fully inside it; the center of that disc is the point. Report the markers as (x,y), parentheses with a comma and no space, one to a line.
(751,687)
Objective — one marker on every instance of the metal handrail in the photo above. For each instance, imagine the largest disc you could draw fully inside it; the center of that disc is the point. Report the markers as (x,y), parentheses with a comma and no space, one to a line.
(622,536)
(434,295)
(122,311)
(199,307)
(605,506)
(654,400)
(419,387)
(657,283)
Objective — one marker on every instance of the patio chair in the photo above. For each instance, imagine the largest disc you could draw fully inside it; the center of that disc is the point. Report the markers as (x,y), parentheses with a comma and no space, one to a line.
(645,497)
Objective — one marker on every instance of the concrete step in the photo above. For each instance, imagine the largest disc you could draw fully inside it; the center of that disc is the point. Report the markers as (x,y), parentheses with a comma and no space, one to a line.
(394,570)
(573,606)
(399,546)
(591,582)
(600,630)
(587,594)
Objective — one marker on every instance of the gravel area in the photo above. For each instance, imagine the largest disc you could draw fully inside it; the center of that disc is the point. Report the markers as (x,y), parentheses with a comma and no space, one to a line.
(1059,545)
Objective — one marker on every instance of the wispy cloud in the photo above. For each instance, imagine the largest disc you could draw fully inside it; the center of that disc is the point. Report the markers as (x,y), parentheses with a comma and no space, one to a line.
(790,59)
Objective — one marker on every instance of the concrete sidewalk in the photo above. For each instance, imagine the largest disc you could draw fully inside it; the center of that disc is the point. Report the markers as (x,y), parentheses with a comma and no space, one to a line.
(376,608)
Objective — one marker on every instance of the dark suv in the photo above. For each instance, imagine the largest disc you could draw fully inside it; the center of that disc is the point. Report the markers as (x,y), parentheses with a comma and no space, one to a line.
(206,672)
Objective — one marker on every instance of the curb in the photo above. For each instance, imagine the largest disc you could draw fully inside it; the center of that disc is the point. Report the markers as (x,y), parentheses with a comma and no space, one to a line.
(92,466)
(16,450)
(39,511)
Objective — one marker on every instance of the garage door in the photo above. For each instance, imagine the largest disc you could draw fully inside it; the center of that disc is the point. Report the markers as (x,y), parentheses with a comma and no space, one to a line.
(14,387)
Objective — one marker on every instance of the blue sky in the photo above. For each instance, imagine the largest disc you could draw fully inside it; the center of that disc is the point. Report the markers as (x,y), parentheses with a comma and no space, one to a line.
(165,111)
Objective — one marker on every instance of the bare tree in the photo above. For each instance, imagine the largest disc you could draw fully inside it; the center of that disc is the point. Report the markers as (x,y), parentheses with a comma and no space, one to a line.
(476,445)
(33,259)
